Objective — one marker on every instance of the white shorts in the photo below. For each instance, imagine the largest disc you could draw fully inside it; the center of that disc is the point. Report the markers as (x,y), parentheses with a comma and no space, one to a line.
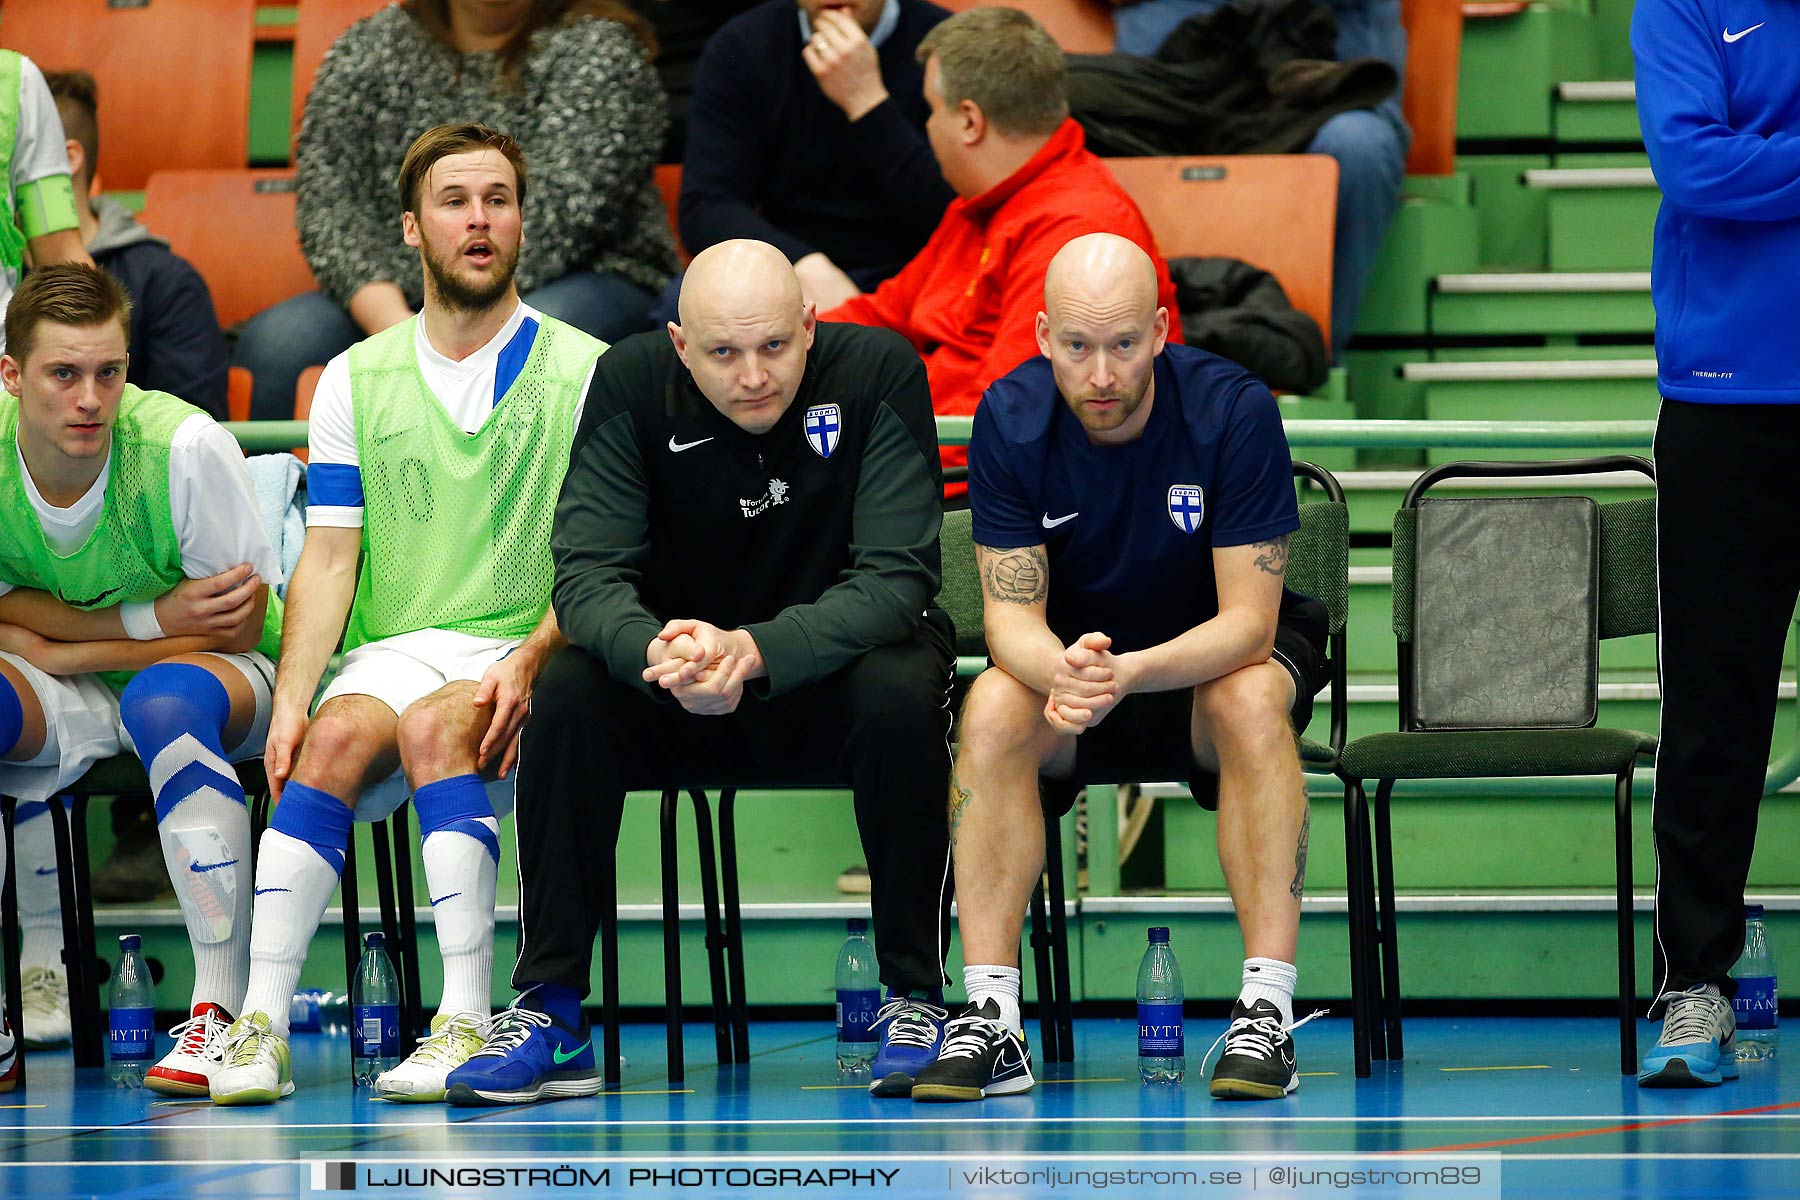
(82,727)
(408,667)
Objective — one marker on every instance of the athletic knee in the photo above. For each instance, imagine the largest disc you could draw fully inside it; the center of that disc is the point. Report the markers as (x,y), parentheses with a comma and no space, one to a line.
(338,751)
(1001,719)
(168,699)
(431,743)
(1249,703)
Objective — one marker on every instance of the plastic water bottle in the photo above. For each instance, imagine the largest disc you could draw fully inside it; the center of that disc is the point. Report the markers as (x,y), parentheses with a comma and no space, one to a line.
(131,1016)
(375,1014)
(1162,1055)
(858,997)
(1758,1024)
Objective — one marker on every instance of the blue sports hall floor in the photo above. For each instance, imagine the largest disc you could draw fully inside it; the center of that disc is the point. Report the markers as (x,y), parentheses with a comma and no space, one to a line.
(1535,1105)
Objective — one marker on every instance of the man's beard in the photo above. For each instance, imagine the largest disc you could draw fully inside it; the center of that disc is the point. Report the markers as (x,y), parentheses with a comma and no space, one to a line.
(458,295)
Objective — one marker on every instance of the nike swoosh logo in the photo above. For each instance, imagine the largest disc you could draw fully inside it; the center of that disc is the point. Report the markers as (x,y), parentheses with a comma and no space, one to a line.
(265,891)
(203,868)
(678,447)
(1052,523)
(46,871)
(562,1058)
(89,603)
(1743,33)
(439,900)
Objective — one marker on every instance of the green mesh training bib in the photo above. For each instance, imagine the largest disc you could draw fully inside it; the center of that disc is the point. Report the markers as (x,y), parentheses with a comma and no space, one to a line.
(133,555)
(456,526)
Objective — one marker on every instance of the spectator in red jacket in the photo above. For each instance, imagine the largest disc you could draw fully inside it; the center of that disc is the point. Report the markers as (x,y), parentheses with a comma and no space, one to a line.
(1026,185)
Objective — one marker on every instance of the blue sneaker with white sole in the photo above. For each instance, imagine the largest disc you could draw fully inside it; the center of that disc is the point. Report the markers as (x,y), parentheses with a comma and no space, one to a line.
(1698,1046)
(528,1055)
(911,1029)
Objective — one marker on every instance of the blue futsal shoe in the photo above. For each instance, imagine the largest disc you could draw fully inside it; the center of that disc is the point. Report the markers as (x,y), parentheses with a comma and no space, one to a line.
(912,1032)
(528,1056)
(1698,1046)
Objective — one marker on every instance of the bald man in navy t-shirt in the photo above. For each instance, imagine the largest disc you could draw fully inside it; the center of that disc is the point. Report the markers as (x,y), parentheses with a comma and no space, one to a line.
(1132,508)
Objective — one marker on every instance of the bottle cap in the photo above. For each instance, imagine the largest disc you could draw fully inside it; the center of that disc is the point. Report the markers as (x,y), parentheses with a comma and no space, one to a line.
(857,925)
(1753,912)
(130,943)
(1159,936)
(374,941)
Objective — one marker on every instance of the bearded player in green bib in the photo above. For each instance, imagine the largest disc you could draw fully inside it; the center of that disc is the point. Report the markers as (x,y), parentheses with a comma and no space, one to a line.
(437,449)
(135,614)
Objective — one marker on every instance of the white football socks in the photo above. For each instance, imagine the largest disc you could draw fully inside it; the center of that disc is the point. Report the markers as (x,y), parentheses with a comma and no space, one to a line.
(1272,980)
(293,886)
(460,874)
(999,984)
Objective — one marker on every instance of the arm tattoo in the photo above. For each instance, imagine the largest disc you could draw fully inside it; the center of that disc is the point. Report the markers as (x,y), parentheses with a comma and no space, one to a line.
(1298,887)
(959,803)
(1018,576)
(1274,556)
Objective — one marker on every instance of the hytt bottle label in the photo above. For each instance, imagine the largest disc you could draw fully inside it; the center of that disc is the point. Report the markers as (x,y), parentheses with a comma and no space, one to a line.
(132,1036)
(1160,1031)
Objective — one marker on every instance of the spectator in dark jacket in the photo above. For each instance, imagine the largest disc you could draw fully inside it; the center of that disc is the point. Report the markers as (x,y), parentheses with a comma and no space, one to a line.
(1369,144)
(176,343)
(807,131)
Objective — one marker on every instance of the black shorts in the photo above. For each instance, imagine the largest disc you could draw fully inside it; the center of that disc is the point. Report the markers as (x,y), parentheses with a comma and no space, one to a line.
(1148,736)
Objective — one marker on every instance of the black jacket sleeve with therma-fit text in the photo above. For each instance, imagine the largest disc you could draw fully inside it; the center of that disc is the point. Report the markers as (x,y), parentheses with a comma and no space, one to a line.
(819,537)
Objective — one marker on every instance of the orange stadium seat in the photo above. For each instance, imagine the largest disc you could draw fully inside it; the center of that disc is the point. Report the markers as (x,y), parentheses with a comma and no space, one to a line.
(1274,211)
(668,182)
(174,78)
(1079,26)
(237,228)
(318,25)
(1433,56)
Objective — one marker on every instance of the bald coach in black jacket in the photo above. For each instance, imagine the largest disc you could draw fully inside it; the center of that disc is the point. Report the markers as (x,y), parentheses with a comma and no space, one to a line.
(746,561)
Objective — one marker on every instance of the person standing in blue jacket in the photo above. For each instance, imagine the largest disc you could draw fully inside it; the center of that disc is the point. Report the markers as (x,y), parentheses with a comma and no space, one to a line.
(1719,102)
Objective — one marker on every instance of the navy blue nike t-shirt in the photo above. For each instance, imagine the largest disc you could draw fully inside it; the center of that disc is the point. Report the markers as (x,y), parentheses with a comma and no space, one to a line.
(1130,530)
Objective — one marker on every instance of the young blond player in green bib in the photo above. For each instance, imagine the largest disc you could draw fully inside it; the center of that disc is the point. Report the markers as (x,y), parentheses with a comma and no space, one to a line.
(135,613)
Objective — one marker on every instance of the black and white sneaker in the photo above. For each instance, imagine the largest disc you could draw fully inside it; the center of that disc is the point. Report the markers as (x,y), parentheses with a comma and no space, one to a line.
(981,1057)
(1258,1063)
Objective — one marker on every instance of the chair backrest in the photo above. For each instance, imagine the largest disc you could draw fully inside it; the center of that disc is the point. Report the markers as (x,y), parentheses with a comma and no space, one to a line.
(1627,552)
(960,592)
(174,78)
(237,229)
(1319,558)
(1433,55)
(1079,26)
(1274,211)
(318,24)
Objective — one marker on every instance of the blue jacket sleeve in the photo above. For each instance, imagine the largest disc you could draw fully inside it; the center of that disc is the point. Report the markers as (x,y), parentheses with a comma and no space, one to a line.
(1705,166)
(182,342)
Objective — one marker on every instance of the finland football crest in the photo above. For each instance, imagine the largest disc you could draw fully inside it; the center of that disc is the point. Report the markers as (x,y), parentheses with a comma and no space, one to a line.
(822,424)
(1187,507)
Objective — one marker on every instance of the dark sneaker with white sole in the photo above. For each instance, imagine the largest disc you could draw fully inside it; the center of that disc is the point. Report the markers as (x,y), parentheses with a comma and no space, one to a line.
(1258,1063)
(981,1057)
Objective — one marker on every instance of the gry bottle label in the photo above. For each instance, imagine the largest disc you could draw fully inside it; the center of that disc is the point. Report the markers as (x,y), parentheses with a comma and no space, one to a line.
(376,1031)
(1755,1003)
(856,1013)
(1160,1030)
(132,1036)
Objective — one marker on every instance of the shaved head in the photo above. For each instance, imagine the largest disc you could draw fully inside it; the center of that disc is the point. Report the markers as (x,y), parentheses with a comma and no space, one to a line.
(1101,270)
(1102,329)
(744,331)
(738,280)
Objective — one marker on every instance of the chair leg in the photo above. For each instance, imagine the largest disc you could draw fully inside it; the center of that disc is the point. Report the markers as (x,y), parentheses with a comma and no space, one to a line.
(1046,982)
(84,925)
(347,894)
(412,1015)
(10,938)
(86,1031)
(1376,1028)
(1390,933)
(609,972)
(715,942)
(734,925)
(671,923)
(1059,942)
(1355,887)
(1627,925)
(387,900)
